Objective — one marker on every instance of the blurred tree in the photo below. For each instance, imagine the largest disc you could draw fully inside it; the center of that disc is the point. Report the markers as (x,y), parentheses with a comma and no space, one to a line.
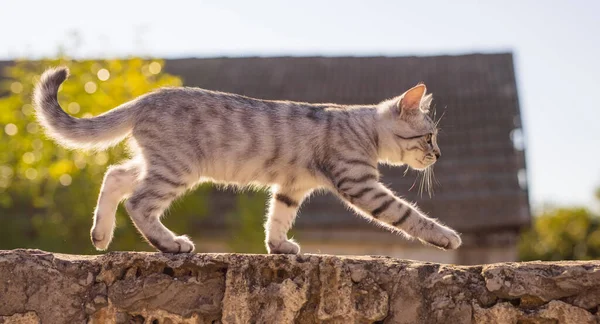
(246,223)
(562,234)
(47,193)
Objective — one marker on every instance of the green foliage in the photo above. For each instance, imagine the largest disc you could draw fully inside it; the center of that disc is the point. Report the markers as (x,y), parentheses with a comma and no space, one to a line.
(247,228)
(562,234)
(47,193)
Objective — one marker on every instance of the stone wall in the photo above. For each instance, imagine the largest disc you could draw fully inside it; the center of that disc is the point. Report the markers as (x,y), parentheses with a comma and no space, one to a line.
(37,286)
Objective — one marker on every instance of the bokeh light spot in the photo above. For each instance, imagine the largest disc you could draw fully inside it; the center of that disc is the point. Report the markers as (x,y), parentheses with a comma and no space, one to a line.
(32,128)
(28,158)
(31,174)
(16,87)
(27,109)
(101,158)
(73,107)
(80,161)
(90,87)
(11,129)
(103,74)
(154,68)
(65,179)
(6,171)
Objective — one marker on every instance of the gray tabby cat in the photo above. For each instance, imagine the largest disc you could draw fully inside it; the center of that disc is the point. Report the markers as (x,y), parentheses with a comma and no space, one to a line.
(183,136)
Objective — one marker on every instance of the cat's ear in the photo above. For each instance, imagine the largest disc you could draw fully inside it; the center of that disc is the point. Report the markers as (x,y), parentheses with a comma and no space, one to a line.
(426,103)
(410,101)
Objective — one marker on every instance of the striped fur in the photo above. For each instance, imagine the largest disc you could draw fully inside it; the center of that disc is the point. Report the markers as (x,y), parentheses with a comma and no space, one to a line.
(184,136)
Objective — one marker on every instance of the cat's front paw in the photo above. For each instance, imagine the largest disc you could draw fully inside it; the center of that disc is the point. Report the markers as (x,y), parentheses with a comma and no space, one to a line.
(446,238)
(101,239)
(283,247)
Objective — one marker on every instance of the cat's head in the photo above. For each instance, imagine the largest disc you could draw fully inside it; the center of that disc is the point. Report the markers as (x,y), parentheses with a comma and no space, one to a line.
(407,134)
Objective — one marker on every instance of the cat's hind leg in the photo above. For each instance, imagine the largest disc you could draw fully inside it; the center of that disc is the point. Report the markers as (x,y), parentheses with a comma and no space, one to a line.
(282,212)
(151,198)
(119,182)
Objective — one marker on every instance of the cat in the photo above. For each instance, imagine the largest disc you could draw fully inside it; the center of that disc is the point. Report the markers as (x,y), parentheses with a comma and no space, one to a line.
(183,136)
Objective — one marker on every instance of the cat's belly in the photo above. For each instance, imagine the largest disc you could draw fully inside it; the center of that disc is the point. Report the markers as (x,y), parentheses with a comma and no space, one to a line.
(250,174)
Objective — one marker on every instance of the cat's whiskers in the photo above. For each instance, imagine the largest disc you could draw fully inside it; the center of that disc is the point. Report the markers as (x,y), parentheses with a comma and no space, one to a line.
(430,181)
(437,122)
(427,181)
(435,180)
(423,182)
(414,182)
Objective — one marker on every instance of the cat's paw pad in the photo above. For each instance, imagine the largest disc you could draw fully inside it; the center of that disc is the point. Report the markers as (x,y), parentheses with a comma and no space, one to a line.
(283,247)
(447,239)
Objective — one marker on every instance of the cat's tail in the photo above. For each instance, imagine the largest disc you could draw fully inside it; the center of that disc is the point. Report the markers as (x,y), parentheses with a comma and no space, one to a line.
(96,133)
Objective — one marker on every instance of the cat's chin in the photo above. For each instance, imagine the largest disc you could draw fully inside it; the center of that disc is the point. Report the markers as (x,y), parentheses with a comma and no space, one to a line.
(413,165)
(419,166)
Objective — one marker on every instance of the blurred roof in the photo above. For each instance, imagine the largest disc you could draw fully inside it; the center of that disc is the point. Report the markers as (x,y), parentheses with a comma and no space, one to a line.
(479,187)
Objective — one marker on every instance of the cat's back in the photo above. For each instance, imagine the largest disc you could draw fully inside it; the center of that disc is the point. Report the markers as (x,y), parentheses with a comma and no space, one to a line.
(189,99)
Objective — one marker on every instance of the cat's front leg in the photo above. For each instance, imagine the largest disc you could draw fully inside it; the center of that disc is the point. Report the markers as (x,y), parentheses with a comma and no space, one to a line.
(280,218)
(372,199)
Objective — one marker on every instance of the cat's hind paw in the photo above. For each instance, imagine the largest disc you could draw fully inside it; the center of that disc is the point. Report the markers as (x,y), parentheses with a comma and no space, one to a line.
(283,247)
(101,240)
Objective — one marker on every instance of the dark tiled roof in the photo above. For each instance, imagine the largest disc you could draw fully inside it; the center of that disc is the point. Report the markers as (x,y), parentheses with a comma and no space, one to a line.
(478,172)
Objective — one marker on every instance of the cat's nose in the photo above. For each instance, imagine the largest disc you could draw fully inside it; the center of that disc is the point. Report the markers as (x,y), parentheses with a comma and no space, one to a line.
(438,155)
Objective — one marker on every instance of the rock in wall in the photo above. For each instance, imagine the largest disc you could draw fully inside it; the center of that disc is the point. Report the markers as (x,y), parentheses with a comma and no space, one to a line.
(154,288)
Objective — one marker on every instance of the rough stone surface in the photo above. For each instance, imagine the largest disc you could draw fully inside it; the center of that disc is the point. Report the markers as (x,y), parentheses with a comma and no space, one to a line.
(42,287)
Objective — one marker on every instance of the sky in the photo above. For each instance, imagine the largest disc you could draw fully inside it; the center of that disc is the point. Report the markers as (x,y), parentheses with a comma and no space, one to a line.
(556,46)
